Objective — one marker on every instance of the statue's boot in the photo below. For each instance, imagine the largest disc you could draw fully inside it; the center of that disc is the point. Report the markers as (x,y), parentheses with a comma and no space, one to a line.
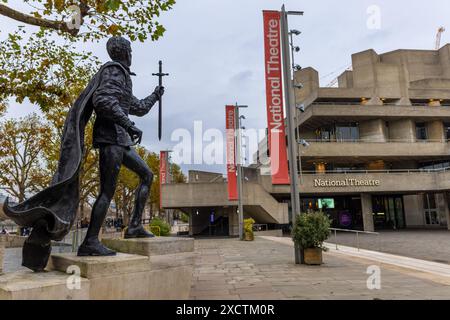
(37,248)
(137,232)
(95,250)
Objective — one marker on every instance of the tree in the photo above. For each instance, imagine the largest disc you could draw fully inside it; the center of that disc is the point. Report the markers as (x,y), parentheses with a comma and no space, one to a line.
(52,75)
(21,147)
(47,74)
(93,19)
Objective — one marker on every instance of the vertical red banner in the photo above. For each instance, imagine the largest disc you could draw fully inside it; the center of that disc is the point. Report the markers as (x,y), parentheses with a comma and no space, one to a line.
(230,118)
(163,172)
(274,93)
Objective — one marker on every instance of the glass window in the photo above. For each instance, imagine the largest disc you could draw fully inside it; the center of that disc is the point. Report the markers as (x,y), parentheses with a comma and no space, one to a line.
(447,130)
(347,132)
(421,131)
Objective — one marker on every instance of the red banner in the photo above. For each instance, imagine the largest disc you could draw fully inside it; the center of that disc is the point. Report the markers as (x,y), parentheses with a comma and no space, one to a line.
(163,172)
(230,113)
(274,93)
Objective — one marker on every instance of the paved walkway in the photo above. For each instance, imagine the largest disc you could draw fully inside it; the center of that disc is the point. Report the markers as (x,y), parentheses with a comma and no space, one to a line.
(432,245)
(264,269)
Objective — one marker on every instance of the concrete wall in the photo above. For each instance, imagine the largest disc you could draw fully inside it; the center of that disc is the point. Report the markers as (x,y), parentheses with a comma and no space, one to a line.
(414,213)
(435,130)
(396,183)
(373,130)
(376,150)
(202,176)
(442,205)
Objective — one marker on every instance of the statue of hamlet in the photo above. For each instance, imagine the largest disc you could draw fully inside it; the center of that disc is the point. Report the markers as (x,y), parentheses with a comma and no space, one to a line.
(52,212)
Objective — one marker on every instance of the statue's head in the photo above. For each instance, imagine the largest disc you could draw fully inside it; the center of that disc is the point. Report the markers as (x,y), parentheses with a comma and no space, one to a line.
(119,49)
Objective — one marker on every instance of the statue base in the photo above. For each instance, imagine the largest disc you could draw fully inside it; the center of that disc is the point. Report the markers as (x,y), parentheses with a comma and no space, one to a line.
(28,285)
(120,277)
(151,246)
(2,254)
(117,277)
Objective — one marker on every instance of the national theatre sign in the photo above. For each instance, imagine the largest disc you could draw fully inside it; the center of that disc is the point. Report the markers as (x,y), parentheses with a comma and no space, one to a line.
(344,183)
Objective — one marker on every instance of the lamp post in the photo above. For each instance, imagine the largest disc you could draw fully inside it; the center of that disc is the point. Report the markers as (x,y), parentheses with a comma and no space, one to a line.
(290,110)
(239,170)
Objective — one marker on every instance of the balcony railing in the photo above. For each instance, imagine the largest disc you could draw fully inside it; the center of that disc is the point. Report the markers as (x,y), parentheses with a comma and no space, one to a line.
(387,171)
(369,141)
(355,103)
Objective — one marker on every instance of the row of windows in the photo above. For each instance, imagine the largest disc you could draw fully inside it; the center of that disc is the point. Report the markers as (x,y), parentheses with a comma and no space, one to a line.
(350,132)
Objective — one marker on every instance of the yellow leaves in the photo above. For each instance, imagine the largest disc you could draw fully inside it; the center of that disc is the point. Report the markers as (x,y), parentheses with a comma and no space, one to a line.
(59,5)
(113,29)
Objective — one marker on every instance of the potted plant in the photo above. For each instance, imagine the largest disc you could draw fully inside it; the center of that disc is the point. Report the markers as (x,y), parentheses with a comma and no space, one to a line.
(248,229)
(309,233)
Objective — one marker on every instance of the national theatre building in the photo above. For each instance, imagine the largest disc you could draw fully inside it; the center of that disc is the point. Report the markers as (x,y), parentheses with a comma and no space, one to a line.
(374,152)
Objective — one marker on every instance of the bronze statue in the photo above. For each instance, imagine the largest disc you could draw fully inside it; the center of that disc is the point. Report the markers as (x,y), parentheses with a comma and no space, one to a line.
(52,212)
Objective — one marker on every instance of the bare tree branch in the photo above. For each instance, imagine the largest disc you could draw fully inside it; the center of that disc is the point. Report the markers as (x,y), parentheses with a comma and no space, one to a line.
(39,22)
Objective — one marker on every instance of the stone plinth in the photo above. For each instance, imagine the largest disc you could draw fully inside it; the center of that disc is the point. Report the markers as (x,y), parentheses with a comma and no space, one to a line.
(151,247)
(120,277)
(171,276)
(2,254)
(111,278)
(12,241)
(27,285)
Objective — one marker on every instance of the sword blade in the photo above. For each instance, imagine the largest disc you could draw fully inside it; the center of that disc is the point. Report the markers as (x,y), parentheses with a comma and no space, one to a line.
(160,104)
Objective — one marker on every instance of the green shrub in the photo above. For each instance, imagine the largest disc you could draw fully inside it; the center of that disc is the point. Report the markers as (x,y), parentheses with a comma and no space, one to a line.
(311,230)
(184,217)
(163,226)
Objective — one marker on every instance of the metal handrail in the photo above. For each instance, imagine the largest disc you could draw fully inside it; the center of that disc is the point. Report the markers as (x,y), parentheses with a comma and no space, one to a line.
(357,232)
(356,103)
(334,140)
(363,171)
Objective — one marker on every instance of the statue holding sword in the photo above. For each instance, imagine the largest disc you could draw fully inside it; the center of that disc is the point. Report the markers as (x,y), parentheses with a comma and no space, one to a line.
(52,212)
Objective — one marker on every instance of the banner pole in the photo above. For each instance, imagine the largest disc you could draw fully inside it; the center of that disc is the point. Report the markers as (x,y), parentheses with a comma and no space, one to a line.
(292,143)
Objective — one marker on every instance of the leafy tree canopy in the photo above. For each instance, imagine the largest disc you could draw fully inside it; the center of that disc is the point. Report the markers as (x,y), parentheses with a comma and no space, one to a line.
(93,19)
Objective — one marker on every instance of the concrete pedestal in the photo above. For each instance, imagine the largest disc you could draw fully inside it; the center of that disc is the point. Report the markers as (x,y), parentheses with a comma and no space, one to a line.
(151,247)
(27,285)
(2,254)
(111,278)
(163,271)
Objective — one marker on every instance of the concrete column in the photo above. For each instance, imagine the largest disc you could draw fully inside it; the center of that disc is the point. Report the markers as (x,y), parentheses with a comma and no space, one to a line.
(191,218)
(402,130)
(448,210)
(373,131)
(435,130)
(367,212)
(442,204)
(233,222)
(309,78)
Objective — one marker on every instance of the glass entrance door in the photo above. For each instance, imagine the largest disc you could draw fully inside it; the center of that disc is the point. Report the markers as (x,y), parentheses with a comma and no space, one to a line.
(388,212)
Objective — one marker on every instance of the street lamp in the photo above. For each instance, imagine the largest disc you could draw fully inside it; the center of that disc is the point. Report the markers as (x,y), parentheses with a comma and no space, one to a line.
(287,40)
(239,168)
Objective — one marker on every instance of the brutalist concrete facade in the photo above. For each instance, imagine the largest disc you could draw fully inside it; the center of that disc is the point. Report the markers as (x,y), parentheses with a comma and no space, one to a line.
(377,154)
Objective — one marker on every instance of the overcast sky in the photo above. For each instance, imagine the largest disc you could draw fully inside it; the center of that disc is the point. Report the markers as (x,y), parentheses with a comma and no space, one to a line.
(213,50)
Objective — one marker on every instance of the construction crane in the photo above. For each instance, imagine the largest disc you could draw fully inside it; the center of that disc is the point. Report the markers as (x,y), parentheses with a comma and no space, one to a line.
(336,80)
(441,30)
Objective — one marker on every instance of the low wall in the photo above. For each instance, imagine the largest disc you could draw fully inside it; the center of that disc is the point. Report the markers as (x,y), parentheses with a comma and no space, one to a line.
(12,241)
(2,254)
(269,233)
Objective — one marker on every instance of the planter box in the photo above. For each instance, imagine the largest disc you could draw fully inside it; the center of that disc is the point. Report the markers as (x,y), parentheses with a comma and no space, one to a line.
(313,256)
